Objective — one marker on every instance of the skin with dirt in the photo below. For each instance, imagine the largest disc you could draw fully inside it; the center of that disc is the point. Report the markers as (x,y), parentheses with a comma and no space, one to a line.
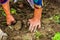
(24,12)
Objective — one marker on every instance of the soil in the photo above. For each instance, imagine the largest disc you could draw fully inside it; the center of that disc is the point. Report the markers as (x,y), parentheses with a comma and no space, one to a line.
(25,12)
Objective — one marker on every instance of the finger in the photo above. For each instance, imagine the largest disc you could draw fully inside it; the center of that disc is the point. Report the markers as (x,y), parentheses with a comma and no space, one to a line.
(13,22)
(13,19)
(35,28)
(39,26)
(8,23)
(32,28)
(29,20)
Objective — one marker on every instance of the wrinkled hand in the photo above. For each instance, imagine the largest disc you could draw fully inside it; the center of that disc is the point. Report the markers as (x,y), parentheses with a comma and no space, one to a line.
(10,19)
(34,24)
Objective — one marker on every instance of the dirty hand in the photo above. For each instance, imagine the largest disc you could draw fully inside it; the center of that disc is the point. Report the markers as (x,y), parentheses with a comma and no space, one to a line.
(34,24)
(10,19)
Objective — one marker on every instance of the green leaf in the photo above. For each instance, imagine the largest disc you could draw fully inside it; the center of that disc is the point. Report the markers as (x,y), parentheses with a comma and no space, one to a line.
(37,34)
(56,36)
(3,13)
(13,11)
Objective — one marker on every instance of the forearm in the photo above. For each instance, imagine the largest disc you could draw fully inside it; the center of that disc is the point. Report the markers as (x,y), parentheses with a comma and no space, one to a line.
(38,12)
(6,7)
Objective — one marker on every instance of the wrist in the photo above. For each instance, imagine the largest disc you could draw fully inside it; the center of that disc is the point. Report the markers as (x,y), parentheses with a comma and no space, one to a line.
(35,18)
(8,14)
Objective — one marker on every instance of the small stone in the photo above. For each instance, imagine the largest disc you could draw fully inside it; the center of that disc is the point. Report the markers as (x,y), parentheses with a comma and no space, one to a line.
(17,26)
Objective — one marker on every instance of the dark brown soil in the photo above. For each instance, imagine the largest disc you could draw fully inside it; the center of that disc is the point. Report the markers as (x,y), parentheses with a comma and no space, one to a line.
(24,12)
